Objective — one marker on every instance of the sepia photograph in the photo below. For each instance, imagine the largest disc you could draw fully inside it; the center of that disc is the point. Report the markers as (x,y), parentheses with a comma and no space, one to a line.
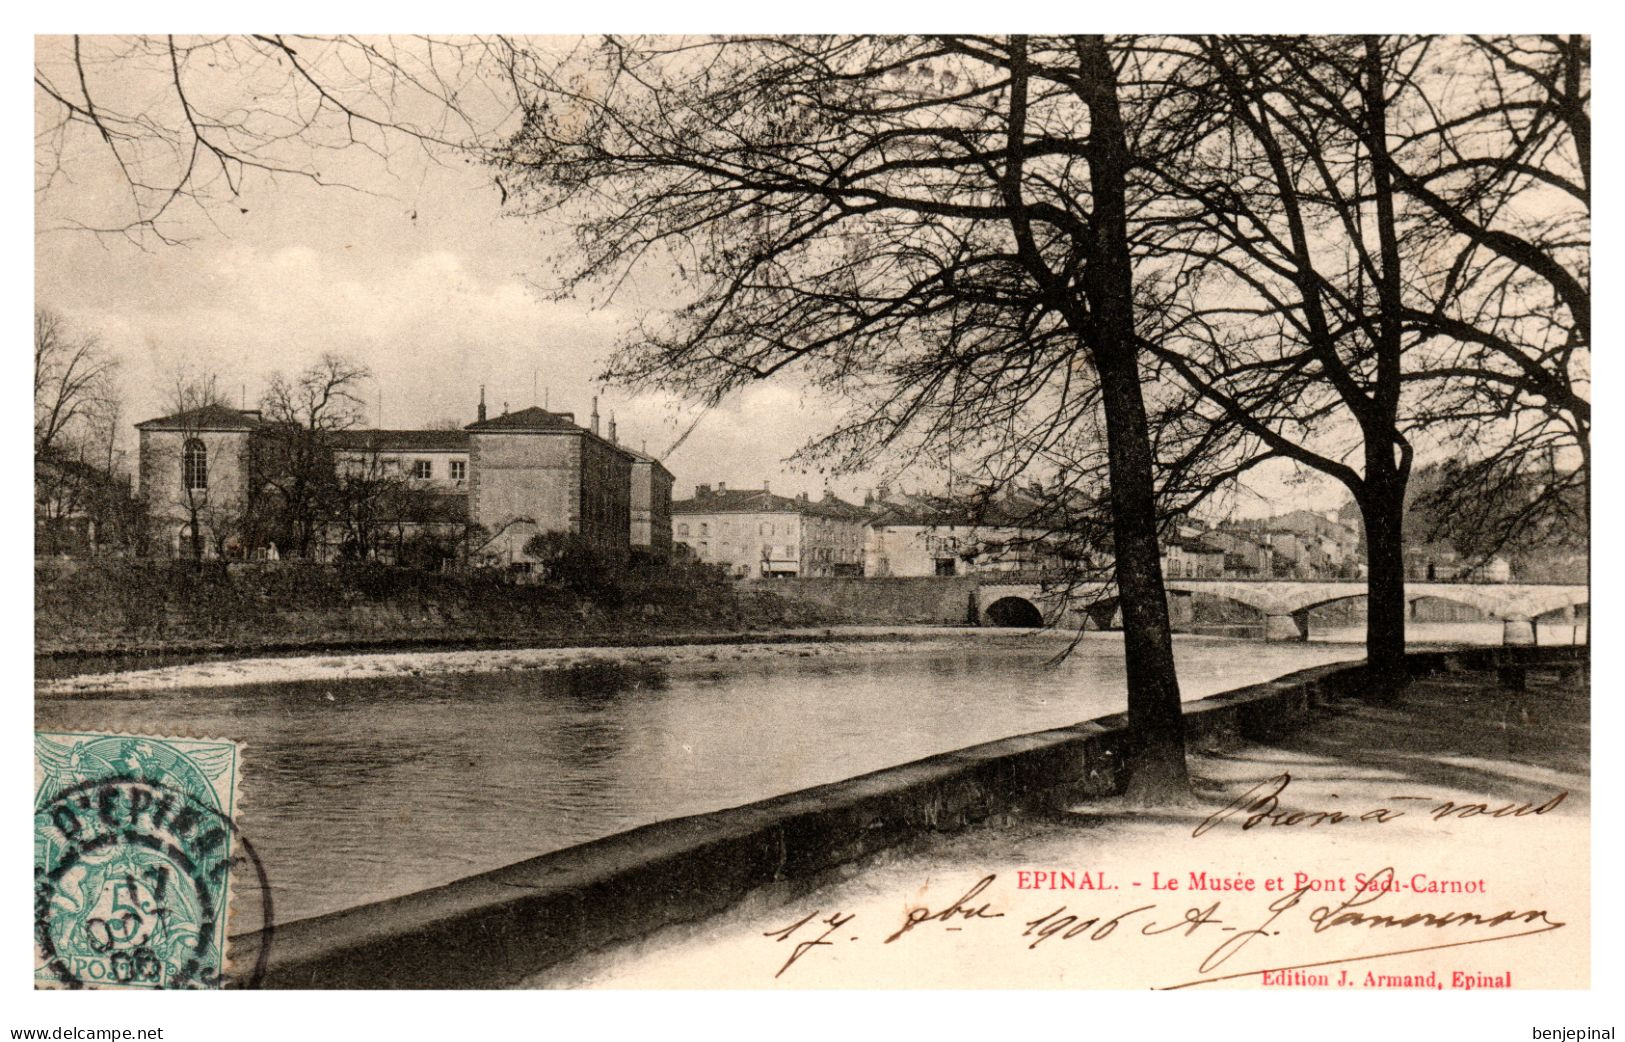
(799,512)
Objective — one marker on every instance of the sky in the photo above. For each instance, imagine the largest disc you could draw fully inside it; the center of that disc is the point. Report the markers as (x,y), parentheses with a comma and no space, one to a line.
(413,269)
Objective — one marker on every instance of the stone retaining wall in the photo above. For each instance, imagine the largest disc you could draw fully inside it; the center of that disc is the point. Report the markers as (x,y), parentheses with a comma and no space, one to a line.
(502,926)
(883,600)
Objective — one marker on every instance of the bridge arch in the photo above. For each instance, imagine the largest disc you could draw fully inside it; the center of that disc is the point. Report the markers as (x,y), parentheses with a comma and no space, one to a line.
(1286,603)
(1013,610)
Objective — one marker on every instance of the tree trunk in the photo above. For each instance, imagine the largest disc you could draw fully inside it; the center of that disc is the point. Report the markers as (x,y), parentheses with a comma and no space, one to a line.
(197,537)
(1382,507)
(1155,715)
(1382,502)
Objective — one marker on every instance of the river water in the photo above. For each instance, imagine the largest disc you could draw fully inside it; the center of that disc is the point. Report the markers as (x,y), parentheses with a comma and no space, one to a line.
(359,790)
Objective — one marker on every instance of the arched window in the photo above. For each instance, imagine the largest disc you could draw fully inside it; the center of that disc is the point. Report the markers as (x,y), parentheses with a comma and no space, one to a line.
(195,465)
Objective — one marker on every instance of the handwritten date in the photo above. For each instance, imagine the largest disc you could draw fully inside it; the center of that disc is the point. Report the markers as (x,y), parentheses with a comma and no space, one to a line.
(1232,928)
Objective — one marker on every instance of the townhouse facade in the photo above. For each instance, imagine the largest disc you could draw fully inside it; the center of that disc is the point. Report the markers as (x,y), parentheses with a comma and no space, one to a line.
(923,535)
(752,533)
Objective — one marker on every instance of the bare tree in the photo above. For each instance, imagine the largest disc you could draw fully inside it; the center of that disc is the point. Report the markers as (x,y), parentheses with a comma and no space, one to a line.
(1316,294)
(1499,154)
(936,228)
(73,381)
(370,497)
(183,127)
(296,452)
(76,412)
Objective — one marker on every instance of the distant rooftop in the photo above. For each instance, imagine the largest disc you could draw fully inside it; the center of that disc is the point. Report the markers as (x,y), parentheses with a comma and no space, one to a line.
(534,418)
(643,457)
(368,440)
(206,418)
(760,501)
(923,509)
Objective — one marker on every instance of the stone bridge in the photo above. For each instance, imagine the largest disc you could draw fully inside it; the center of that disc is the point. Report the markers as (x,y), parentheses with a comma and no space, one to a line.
(1284,603)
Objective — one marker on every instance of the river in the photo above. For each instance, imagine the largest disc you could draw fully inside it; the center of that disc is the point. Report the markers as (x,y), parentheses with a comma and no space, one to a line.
(358,790)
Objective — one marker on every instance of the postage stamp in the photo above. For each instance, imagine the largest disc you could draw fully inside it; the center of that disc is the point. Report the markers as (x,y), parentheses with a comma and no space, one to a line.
(134,838)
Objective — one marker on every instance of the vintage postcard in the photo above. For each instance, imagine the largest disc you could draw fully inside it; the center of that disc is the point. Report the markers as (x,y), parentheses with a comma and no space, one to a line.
(813,512)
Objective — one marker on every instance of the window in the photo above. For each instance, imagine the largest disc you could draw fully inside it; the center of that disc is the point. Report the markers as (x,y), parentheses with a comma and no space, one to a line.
(765,528)
(195,466)
(459,469)
(422,469)
(682,530)
(705,528)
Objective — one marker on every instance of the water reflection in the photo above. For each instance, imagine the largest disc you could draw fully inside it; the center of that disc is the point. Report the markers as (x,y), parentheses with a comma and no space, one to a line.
(365,789)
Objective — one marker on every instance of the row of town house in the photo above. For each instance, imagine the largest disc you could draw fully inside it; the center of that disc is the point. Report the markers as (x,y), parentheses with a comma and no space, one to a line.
(505,478)
(1301,544)
(753,533)
(1304,544)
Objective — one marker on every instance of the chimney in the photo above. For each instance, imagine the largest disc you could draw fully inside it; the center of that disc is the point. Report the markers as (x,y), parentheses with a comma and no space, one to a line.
(482,403)
(802,497)
(595,415)
(883,493)
(722,486)
(765,487)
(612,428)
(702,491)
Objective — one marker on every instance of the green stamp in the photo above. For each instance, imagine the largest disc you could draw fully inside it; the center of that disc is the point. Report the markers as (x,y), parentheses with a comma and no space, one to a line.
(134,840)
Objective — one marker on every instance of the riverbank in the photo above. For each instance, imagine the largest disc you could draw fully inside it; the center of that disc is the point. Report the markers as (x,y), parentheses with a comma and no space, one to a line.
(666,651)
(130,609)
(1460,741)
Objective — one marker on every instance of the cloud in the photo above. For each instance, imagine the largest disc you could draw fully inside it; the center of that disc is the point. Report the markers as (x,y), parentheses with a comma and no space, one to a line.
(431,292)
(431,328)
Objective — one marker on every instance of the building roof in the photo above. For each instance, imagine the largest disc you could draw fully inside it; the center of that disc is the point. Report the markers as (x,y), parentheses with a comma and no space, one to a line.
(643,457)
(534,418)
(1012,510)
(368,440)
(1191,545)
(921,510)
(833,506)
(206,418)
(761,501)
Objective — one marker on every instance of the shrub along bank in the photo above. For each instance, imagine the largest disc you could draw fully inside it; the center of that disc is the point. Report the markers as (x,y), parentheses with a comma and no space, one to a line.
(113,606)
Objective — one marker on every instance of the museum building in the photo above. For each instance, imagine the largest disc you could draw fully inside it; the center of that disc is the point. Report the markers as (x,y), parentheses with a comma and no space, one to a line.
(506,478)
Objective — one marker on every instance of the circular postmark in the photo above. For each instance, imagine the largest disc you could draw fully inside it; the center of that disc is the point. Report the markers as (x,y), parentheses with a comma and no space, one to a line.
(133,870)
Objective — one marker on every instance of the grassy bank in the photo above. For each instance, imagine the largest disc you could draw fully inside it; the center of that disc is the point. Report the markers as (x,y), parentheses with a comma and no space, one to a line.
(121,607)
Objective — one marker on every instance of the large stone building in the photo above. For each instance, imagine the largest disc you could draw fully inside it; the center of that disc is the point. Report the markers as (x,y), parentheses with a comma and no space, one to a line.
(753,533)
(504,479)
(535,471)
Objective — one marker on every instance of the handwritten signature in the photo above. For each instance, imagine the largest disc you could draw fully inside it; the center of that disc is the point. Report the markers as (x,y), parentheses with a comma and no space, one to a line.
(1228,925)
(1261,806)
